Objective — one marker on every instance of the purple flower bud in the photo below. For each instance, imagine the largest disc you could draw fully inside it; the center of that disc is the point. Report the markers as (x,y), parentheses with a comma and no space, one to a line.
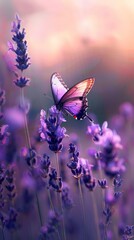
(127,110)
(22,82)
(89,182)
(2,97)
(14,117)
(4,134)
(11,219)
(50,130)
(103,183)
(66,199)
(50,228)
(22,58)
(54,181)
(108,214)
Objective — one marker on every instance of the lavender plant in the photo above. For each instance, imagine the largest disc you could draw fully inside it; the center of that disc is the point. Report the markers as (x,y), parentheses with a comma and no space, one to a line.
(48,190)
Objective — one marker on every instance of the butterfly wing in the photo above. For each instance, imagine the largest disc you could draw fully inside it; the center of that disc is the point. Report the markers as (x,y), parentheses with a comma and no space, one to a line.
(74,101)
(77,108)
(58,87)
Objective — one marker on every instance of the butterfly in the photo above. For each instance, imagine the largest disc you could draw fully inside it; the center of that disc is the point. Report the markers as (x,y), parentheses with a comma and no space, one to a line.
(74,100)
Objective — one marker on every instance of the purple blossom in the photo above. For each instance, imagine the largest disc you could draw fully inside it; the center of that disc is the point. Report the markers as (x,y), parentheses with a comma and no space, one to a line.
(2,97)
(96,131)
(51,227)
(74,154)
(110,138)
(20,50)
(95,156)
(103,183)
(14,117)
(108,214)
(127,232)
(112,196)
(66,198)
(127,110)
(22,82)
(112,168)
(74,164)
(50,130)
(10,221)
(54,181)
(110,143)
(30,156)
(88,180)
(2,178)
(16,24)
(26,200)
(44,166)
(117,182)
(10,184)
(85,164)
(4,134)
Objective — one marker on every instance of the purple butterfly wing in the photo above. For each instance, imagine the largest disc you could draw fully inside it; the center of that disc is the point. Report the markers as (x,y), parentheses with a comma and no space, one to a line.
(77,108)
(58,87)
(74,101)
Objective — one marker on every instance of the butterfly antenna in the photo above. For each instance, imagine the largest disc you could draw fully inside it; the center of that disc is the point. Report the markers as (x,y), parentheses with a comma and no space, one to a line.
(91,120)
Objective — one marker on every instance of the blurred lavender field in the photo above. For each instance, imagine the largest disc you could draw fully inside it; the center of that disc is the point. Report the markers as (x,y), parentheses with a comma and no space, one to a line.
(60,178)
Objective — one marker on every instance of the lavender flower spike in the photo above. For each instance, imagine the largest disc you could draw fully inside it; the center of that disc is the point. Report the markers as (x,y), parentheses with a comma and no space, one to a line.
(22,82)
(22,58)
(20,49)
(110,143)
(74,163)
(50,130)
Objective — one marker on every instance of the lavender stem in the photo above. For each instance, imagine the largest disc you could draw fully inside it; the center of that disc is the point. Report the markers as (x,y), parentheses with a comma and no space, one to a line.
(82,204)
(25,121)
(3,235)
(60,198)
(52,206)
(29,145)
(39,211)
(95,216)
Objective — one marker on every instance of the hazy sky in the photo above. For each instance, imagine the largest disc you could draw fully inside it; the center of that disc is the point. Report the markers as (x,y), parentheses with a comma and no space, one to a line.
(79,39)
(58,29)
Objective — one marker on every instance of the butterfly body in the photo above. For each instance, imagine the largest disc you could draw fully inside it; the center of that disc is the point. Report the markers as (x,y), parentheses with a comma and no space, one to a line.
(74,100)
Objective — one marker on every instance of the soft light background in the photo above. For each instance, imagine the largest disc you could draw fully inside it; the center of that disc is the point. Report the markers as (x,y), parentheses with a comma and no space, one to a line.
(78,39)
